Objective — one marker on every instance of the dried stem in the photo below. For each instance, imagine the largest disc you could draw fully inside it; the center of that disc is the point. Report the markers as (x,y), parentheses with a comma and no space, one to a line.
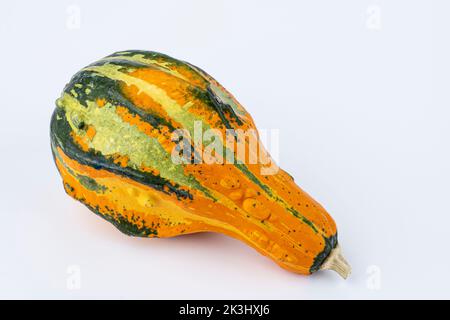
(336,262)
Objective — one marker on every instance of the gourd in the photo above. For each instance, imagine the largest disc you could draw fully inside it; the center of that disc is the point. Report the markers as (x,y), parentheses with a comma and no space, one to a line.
(112,139)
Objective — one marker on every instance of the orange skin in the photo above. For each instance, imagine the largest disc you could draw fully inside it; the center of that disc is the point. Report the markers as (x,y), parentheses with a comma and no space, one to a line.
(277,235)
(272,222)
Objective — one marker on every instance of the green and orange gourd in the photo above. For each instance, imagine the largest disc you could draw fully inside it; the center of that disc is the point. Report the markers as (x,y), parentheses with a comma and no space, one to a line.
(112,138)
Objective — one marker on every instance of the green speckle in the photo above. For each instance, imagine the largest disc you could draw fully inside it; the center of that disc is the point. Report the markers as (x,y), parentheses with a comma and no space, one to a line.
(91,184)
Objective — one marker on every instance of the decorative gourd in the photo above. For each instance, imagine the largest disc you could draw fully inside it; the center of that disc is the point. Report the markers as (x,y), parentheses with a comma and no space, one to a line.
(112,140)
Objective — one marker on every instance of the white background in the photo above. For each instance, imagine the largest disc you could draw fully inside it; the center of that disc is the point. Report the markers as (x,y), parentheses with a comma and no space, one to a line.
(359,90)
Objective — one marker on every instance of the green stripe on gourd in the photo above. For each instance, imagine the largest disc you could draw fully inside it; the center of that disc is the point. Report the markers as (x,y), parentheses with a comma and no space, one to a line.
(117,137)
(187,120)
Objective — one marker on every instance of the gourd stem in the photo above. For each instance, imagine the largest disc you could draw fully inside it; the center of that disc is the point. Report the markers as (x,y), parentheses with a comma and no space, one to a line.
(336,262)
